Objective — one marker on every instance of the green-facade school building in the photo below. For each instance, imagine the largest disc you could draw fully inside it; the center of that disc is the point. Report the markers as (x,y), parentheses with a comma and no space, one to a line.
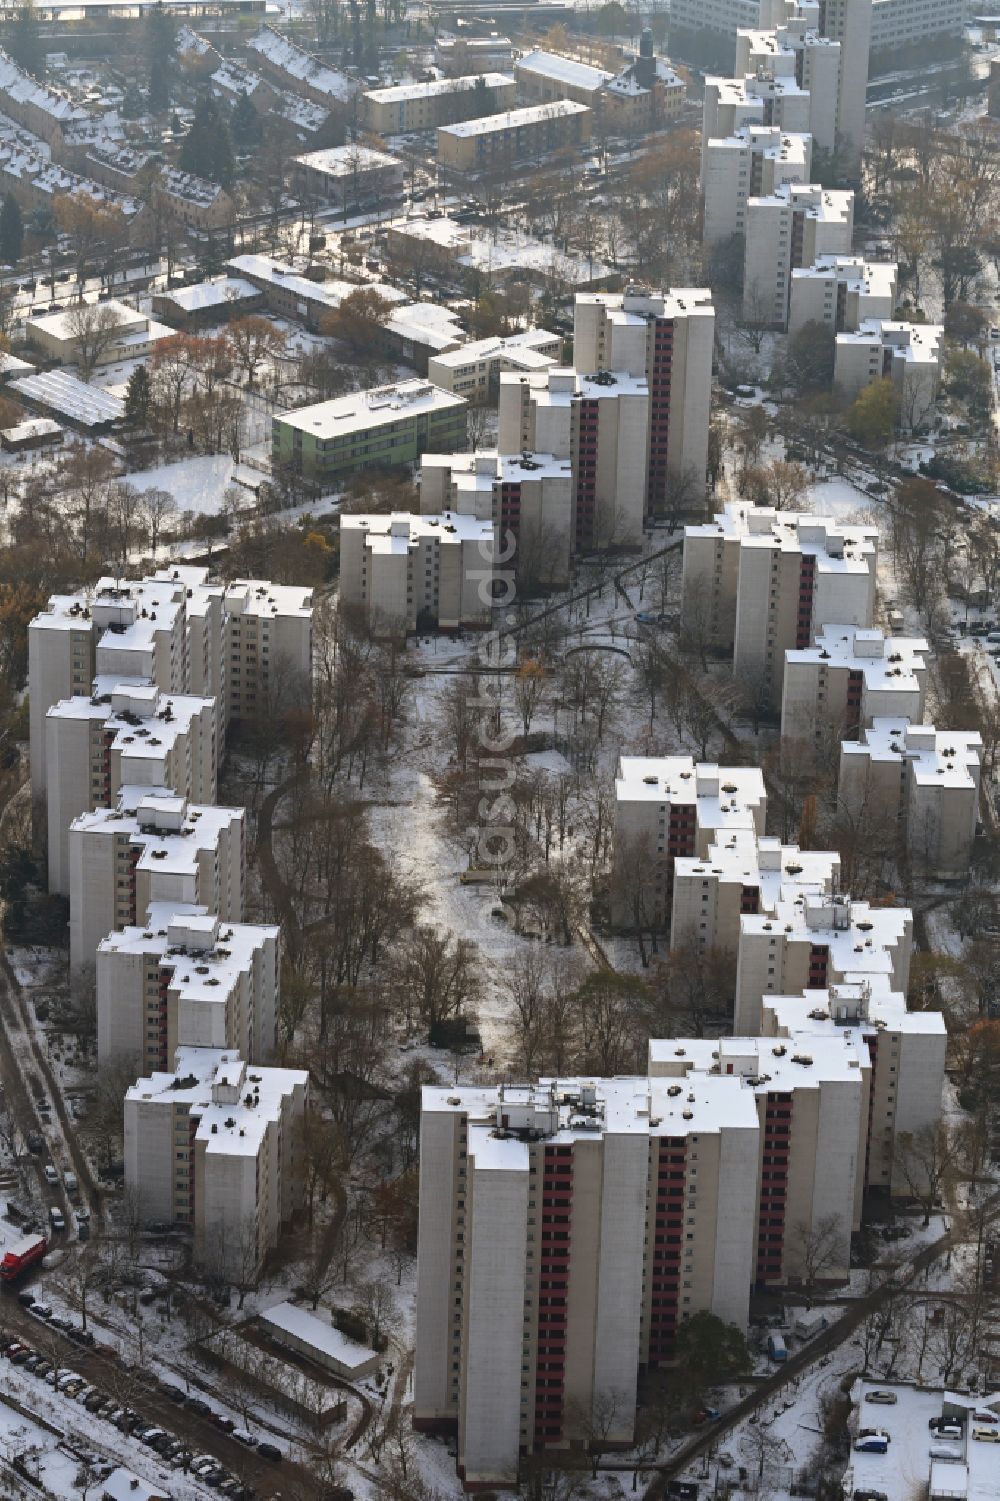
(383,426)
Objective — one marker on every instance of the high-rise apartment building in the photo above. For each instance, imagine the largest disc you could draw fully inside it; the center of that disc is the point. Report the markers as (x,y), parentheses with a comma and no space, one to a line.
(812,1098)
(908,354)
(926,779)
(399,569)
(566,1228)
(841,292)
(753,161)
(848,677)
(668,807)
(667,338)
(123,735)
(527,496)
(796,50)
(743,871)
(815,943)
(183,978)
(793,226)
(216,1145)
(760,582)
(600,423)
(907,1053)
(767,101)
(849,22)
(152,846)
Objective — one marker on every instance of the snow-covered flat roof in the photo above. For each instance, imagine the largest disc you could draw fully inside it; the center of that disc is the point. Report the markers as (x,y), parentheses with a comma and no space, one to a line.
(32,427)
(831,205)
(267,600)
(531,345)
(939,758)
(481,470)
(770,1064)
(344,161)
(779,871)
(723,795)
(207,956)
(888,663)
(916,343)
(559,385)
(874,278)
(837,546)
(373,408)
(514,119)
(398,531)
(563,70)
(858,937)
(865,1003)
(290,1318)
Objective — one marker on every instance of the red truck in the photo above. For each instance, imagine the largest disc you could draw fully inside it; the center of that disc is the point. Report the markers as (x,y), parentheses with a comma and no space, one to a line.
(20,1256)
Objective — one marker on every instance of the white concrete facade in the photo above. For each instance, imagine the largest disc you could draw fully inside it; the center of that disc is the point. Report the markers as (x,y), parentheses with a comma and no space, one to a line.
(123,735)
(600,423)
(151,847)
(742,872)
(815,943)
(907,1052)
(622,1159)
(185,979)
(754,160)
(908,354)
(847,678)
(667,338)
(758,582)
(841,292)
(400,568)
(791,227)
(928,779)
(527,496)
(669,807)
(215,1144)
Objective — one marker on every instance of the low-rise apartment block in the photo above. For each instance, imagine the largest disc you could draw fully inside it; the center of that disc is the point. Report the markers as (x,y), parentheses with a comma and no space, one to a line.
(813,1099)
(908,354)
(760,582)
(848,677)
(152,846)
(907,1053)
(793,226)
(406,572)
(459,54)
(928,779)
(216,1145)
(474,369)
(600,423)
(442,101)
(667,337)
(386,425)
(503,141)
(841,292)
(742,872)
(901,24)
(351,174)
(752,162)
(184,978)
(814,943)
(668,807)
(527,1328)
(123,735)
(527,496)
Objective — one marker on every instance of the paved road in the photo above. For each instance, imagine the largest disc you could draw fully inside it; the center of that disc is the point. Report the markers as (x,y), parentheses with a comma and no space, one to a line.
(830,1339)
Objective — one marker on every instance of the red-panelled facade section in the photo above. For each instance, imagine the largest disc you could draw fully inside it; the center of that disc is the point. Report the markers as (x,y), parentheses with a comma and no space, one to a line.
(819,963)
(807,587)
(773,1187)
(134,855)
(586,471)
(660,379)
(165,975)
(109,737)
(855,690)
(749,898)
(509,518)
(553,1294)
(668,1240)
(872,1041)
(682,831)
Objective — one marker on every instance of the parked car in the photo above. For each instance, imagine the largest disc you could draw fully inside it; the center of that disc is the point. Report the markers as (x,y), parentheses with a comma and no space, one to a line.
(269,1451)
(870,1495)
(886,1399)
(56,1219)
(41,1310)
(873,1443)
(987,1435)
(51,1176)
